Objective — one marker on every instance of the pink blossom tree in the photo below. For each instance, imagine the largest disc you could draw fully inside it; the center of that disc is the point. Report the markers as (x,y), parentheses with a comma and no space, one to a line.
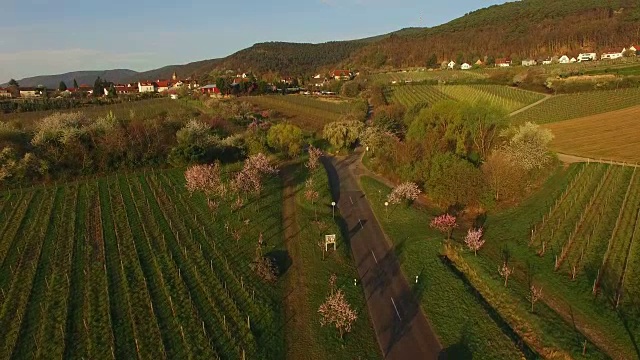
(314,158)
(336,311)
(474,240)
(249,179)
(405,191)
(311,195)
(445,224)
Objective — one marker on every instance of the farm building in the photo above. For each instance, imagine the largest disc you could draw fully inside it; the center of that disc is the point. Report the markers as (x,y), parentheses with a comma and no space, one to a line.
(465,66)
(503,62)
(451,64)
(587,57)
(30,92)
(529,62)
(210,89)
(564,59)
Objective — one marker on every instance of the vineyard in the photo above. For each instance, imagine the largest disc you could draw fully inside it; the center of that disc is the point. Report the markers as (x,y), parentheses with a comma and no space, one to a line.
(308,112)
(592,230)
(511,99)
(565,107)
(610,136)
(417,76)
(134,267)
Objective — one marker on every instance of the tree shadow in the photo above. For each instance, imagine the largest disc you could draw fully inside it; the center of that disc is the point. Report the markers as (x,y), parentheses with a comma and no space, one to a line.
(282,260)
(457,351)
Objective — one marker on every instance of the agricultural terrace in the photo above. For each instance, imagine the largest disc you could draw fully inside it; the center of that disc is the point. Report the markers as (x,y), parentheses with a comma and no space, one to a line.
(454,308)
(572,106)
(511,99)
(310,113)
(610,136)
(134,267)
(136,110)
(434,75)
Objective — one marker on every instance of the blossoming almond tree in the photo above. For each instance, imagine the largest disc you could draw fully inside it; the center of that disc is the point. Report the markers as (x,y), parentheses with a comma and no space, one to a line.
(337,311)
(444,223)
(405,191)
(505,271)
(474,240)
(205,178)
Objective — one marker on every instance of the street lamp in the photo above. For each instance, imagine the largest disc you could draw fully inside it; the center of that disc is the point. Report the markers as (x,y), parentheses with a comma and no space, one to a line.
(386,208)
(333,209)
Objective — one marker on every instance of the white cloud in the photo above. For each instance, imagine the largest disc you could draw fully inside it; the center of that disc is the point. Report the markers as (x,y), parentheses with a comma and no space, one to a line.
(43,62)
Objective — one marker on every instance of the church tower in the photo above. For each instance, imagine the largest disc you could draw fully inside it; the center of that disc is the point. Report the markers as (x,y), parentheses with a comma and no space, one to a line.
(174,76)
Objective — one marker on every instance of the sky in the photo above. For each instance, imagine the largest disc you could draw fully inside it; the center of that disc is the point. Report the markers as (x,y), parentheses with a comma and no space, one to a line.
(43,37)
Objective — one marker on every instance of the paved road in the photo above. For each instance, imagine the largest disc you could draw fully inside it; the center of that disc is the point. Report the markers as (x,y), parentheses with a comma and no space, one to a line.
(402,329)
(545,98)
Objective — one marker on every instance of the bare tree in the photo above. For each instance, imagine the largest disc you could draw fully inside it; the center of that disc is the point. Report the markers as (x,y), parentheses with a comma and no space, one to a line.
(535,294)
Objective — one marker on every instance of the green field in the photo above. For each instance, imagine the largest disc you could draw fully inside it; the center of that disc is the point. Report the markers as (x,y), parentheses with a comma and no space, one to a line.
(133,267)
(449,303)
(308,112)
(511,99)
(435,75)
(571,106)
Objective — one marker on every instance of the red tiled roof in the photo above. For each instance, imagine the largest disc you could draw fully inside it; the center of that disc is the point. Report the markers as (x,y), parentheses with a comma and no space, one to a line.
(341,73)
(163,83)
(503,61)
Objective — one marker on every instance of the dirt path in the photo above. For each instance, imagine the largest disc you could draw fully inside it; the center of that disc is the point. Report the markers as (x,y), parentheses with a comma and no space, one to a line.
(298,327)
(545,98)
(572,159)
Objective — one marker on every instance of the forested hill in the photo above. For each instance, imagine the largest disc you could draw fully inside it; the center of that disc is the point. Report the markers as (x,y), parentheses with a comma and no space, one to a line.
(528,28)
(521,29)
(81,77)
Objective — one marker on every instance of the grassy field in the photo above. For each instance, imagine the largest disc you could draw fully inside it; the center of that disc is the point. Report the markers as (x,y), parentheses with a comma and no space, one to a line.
(572,106)
(133,267)
(511,99)
(308,280)
(449,302)
(610,136)
(145,109)
(438,75)
(307,112)
(463,324)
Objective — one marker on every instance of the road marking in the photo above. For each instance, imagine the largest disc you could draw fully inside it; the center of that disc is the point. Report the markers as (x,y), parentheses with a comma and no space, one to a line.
(395,307)
(351,200)
(374,256)
(361,226)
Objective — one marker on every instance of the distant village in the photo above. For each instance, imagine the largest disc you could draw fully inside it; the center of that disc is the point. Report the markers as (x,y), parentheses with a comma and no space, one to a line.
(171,87)
(610,54)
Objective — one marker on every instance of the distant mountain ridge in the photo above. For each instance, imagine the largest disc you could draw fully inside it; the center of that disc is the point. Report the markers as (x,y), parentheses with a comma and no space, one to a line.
(81,77)
(519,30)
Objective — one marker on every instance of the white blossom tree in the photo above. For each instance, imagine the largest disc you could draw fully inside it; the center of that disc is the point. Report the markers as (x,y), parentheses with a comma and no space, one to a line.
(336,311)
(405,191)
(474,240)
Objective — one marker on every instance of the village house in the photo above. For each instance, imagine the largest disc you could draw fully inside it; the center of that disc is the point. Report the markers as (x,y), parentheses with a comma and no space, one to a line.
(503,62)
(587,57)
(573,60)
(163,85)
(341,74)
(465,66)
(564,59)
(5,93)
(451,65)
(635,49)
(529,62)
(611,55)
(547,61)
(479,62)
(126,89)
(210,89)
(317,76)
(147,86)
(30,92)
